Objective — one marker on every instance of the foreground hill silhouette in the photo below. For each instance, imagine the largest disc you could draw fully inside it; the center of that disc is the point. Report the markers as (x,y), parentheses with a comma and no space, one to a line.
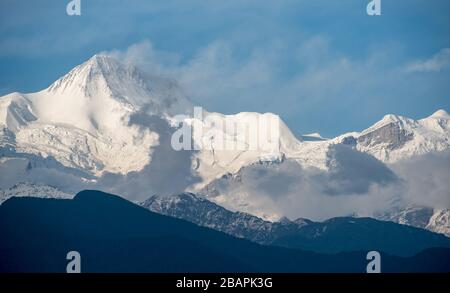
(335,235)
(115,235)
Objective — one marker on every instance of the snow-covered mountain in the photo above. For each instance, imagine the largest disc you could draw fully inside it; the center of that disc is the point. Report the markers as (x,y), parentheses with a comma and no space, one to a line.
(390,140)
(396,137)
(87,124)
(83,119)
(226,149)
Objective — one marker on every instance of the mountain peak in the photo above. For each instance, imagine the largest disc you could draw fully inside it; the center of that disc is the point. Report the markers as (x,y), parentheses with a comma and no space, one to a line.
(441,113)
(99,73)
(101,58)
(105,65)
(105,76)
(391,118)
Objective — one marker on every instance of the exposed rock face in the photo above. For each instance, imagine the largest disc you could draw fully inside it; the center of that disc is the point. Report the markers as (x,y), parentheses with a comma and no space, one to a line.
(440,222)
(391,135)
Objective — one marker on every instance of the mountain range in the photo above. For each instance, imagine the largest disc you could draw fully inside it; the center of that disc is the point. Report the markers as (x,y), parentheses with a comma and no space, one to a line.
(331,236)
(112,234)
(107,125)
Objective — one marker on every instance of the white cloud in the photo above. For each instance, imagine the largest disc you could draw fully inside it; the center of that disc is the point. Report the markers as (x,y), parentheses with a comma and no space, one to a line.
(213,76)
(363,187)
(438,62)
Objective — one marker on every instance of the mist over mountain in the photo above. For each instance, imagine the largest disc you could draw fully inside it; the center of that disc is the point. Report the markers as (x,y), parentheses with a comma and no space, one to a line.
(107,125)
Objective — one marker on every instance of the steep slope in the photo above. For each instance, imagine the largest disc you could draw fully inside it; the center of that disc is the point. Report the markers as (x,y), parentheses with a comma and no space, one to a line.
(83,119)
(142,241)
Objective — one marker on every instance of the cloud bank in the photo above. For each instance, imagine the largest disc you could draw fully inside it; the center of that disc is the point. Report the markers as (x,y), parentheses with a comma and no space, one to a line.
(358,185)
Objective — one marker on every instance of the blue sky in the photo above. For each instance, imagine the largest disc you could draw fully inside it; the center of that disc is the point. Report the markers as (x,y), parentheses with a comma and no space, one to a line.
(324,66)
